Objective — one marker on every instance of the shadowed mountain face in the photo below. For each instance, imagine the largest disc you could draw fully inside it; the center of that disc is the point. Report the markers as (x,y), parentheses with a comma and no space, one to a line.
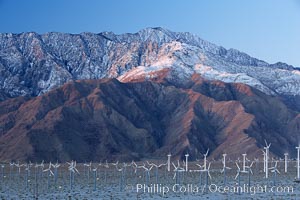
(107,119)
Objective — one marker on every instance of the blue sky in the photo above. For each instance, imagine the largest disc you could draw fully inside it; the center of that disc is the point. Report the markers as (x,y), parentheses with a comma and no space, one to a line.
(266,29)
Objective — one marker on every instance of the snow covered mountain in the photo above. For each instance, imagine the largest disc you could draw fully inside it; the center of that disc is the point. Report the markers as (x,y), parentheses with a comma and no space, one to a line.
(32,64)
(199,96)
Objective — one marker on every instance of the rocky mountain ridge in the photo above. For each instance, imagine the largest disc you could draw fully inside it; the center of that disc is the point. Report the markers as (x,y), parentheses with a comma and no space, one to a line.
(32,64)
(107,119)
(134,96)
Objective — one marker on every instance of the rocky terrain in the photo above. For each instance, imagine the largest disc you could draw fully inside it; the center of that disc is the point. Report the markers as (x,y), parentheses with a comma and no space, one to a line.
(133,96)
(107,119)
(33,64)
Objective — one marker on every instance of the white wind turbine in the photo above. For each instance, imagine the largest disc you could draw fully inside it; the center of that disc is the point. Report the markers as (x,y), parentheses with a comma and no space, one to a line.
(30,165)
(156,169)
(244,161)
(204,168)
(285,162)
(125,165)
(2,171)
(106,167)
(41,166)
(115,164)
(50,173)
(266,160)
(298,164)
(38,172)
(19,166)
(224,167)
(238,175)
(87,170)
(94,170)
(207,170)
(55,166)
(99,166)
(122,175)
(169,162)
(275,171)
(11,168)
(186,162)
(178,172)
(27,170)
(72,169)
(205,160)
(256,160)
(134,167)
(250,172)
(140,167)
(246,169)
(147,173)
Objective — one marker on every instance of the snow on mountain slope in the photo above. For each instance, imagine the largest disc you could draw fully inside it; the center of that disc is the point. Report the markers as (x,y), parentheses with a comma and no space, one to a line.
(34,64)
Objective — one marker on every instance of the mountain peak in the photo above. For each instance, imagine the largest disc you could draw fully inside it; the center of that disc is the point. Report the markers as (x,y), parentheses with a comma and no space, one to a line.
(33,64)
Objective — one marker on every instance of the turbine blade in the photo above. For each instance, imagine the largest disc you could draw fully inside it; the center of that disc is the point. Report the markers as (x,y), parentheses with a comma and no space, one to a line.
(238,166)
(209,175)
(237,175)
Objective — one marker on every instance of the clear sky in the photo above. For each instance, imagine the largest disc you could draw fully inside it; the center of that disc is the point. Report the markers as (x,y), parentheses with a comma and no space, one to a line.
(266,29)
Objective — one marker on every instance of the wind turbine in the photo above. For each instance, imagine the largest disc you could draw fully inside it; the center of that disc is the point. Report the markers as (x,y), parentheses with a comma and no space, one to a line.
(134,166)
(238,175)
(55,166)
(203,168)
(106,167)
(266,160)
(206,169)
(298,164)
(178,170)
(186,162)
(41,165)
(11,168)
(2,171)
(275,171)
(115,164)
(169,162)
(122,177)
(224,167)
(205,159)
(50,173)
(27,170)
(125,165)
(244,161)
(19,166)
(285,162)
(87,169)
(207,175)
(94,170)
(246,169)
(147,173)
(249,171)
(256,160)
(72,169)
(156,169)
